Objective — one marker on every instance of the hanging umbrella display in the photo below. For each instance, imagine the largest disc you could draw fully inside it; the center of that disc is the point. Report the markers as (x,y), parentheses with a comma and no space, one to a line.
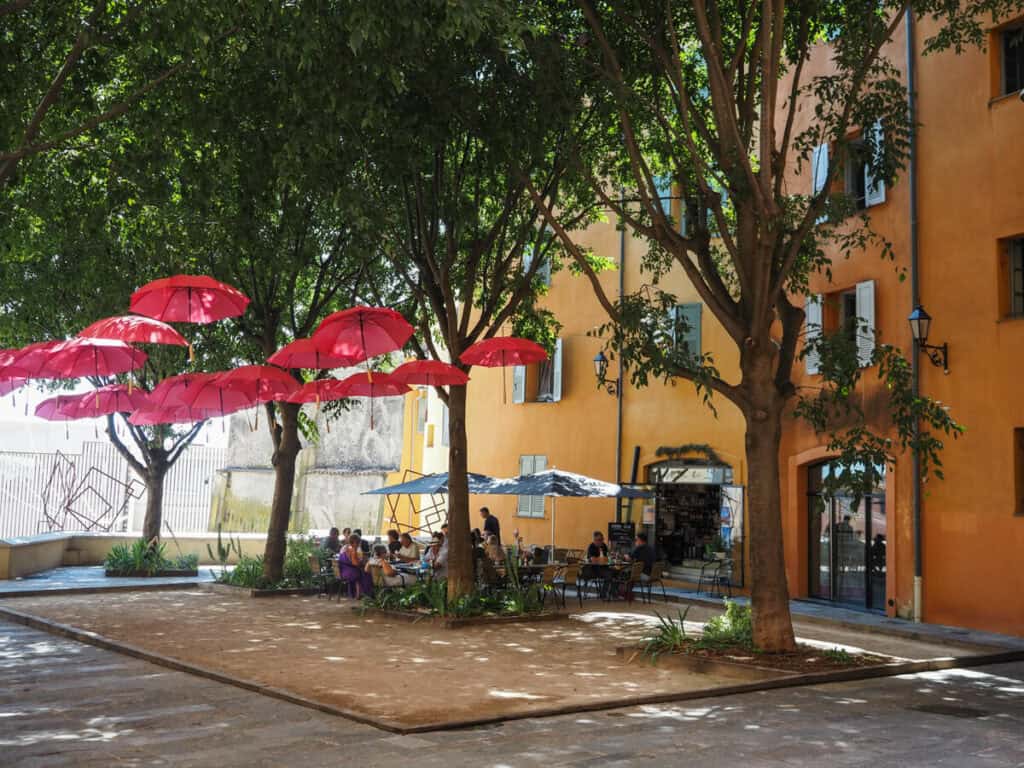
(113,398)
(188,299)
(8,385)
(134,329)
(51,410)
(172,390)
(319,391)
(259,383)
(501,352)
(360,333)
(431,373)
(76,358)
(382,385)
(8,368)
(173,414)
(304,353)
(210,394)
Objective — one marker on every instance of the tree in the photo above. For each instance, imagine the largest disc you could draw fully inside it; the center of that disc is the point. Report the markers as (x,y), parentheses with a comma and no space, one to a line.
(481,120)
(70,67)
(708,95)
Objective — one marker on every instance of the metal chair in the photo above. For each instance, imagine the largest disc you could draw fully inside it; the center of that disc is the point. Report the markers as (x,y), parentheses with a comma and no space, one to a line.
(570,578)
(320,574)
(715,574)
(624,581)
(547,581)
(657,577)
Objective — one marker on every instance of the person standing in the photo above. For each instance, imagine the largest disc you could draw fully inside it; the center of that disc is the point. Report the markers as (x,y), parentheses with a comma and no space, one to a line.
(492,526)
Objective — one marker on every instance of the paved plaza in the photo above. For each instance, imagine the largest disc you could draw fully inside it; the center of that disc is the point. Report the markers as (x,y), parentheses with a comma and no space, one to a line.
(65,703)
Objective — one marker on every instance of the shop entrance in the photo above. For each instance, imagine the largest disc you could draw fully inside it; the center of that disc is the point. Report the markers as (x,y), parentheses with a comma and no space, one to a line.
(847,545)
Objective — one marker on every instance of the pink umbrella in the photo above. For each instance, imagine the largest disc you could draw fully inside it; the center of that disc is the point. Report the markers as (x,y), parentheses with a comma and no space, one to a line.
(9,385)
(188,299)
(113,398)
(304,353)
(134,328)
(319,391)
(502,351)
(174,414)
(172,390)
(360,333)
(210,394)
(75,358)
(259,383)
(432,373)
(382,385)
(53,409)
(8,369)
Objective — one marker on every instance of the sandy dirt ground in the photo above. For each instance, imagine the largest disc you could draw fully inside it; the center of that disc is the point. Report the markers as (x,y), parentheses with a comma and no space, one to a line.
(393,671)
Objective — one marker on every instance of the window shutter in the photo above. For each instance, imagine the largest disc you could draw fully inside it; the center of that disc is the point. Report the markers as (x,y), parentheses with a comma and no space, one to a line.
(444,425)
(663,191)
(523,503)
(874,189)
(865,322)
(812,308)
(556,375)
(518,383)
(691,314)
(673,321)
(819,168)
(540,463)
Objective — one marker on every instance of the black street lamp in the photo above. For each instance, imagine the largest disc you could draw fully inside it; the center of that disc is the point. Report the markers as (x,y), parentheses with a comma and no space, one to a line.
(920,324)
(601,371)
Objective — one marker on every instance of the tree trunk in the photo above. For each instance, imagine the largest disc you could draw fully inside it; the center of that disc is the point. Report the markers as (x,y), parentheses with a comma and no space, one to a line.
(155,475)
(773,627)
(460,555)
(285,456)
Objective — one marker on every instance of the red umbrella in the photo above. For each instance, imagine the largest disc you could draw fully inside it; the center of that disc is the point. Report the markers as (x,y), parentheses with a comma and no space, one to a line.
(502,351)
(113,398)
(304,353)
(53,409)
(259,383)
(319,391)
(171,391)
(174,414)
(188,299)
(362,332)
(212,395)
(432,373)
(8,369)
(75,358)
(382,385)
(134,328)
(8,385)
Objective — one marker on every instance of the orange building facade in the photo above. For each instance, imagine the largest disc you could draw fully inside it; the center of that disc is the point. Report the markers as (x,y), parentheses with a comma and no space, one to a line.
(970,259)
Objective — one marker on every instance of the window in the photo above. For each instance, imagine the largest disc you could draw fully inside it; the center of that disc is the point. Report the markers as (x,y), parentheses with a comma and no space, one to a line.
(1012,47)
(543,272)
(851,311)
(686,328)
(861,186)
(1016,282)
(531,506)
(848,313)
(444,425)
(540,383)
(1018,471)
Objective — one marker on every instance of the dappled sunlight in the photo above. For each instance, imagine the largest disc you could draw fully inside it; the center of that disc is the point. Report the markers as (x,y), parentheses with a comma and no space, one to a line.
(43,737)
(515,695)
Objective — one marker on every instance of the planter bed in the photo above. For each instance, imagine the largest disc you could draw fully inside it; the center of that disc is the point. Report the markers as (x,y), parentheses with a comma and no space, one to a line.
(147,574)
(234,590)
(456,622)
(757,666)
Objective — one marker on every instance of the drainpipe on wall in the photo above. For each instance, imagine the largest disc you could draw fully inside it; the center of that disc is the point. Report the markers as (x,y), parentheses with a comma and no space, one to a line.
(915,299)
(618,354)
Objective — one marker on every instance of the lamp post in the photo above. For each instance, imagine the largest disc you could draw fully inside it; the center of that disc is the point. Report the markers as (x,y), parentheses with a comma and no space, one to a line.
(601,371)
(920,324)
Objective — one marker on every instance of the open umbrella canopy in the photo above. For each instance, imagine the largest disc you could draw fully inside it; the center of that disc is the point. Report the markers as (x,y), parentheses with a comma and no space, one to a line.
(188,299)
(174,414)
(359,333)
(319,391)
(173,390)
(259,383)
(503,351)
(78,357)
(431,373)
(52,409)
(555,482)
(8,368)
(210,394)
(135,329)
(435,483)
(304,353)
(8,385)
(382,385)
(113,398)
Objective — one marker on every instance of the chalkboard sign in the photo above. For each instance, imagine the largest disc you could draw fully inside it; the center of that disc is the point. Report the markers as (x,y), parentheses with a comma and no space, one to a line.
(621,535)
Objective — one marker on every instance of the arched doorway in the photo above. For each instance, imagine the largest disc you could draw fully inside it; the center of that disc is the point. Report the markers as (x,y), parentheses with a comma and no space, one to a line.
(846,544)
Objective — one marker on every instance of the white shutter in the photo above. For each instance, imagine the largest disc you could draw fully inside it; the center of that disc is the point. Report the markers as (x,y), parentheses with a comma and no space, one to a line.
(874,189)
(682,218)
(819,168)
(556,373)
(812,308)
(540,463)
(524,503)
(518,383)
(865,322)
(663,192)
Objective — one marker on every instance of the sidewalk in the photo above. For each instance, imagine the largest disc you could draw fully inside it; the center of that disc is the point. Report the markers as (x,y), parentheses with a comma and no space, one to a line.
(91,578)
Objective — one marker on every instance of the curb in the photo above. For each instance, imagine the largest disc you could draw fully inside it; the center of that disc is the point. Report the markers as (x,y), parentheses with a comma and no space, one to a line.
(790,681)
(100,590)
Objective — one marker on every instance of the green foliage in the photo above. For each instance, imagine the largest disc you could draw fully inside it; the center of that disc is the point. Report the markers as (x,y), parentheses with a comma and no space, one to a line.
(139,556)
(732,629)
(669,636)
(248,572)
(223,553)
(431,595)
(185,562)
(298,571)
(838,655)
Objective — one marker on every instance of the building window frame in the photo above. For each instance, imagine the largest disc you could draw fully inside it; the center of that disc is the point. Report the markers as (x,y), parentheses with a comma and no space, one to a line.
(531,506)
(1015,275)
(1011,60)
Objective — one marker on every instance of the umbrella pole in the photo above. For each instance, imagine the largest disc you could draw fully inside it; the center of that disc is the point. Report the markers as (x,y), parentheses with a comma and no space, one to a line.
(369,373)
(552,530)
(504,383)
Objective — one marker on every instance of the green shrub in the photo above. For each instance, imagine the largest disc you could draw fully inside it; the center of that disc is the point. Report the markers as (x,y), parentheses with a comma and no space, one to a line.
(185,562)
(247,573)
(297,571)
(733,628)
(669,637)
(138,556)
(432,595)
(838,655)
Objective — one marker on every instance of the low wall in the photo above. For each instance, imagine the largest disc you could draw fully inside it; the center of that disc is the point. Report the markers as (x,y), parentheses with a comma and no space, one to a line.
(31,554)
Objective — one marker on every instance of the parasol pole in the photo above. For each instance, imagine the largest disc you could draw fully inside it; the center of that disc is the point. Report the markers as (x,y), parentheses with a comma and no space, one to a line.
(369,373)
(504,383)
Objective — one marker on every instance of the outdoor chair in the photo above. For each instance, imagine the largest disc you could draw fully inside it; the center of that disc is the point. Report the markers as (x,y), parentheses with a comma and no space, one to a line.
(623,582)
(570,578)
(321,574)
(336,573)
(715,574)
(491,580)
(657,577)
(547,581)
(350,575)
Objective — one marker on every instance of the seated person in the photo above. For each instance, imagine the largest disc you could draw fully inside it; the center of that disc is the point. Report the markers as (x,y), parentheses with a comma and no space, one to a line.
(363,543)
(351,562)
(643,552)
(332,543)
(409,551)
(389,576)
(597,552)
(437,557)
(493,549)
(394,544)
